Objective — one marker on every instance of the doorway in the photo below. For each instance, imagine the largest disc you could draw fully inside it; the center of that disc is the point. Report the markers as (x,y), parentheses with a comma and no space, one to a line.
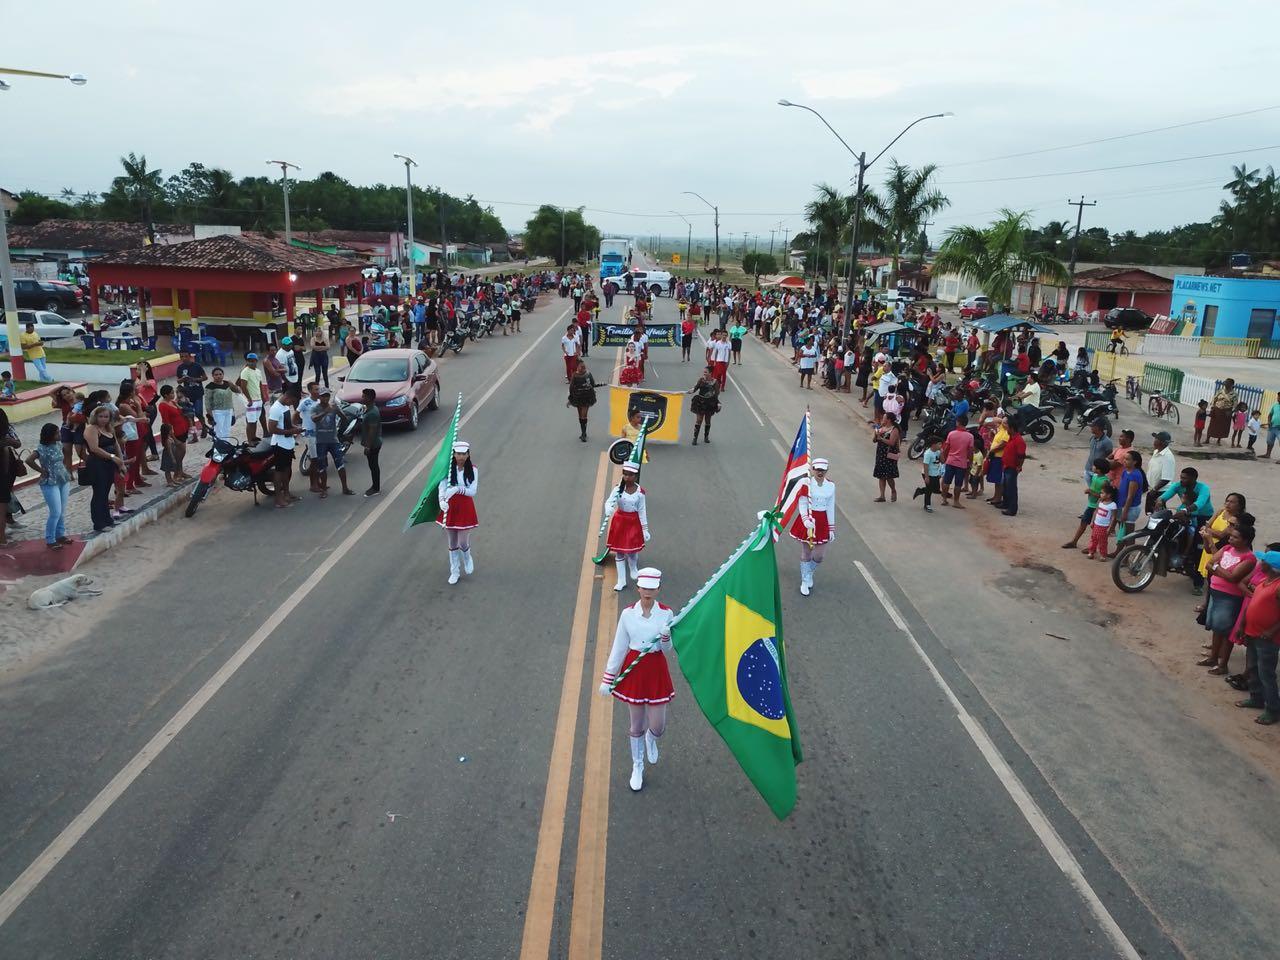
(1261,323)
(1210,320)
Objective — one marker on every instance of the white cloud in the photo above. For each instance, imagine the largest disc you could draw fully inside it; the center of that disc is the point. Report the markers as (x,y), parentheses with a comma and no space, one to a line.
(856,84)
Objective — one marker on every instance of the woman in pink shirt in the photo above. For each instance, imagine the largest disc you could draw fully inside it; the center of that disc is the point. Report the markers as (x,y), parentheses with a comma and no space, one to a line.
(1230,567)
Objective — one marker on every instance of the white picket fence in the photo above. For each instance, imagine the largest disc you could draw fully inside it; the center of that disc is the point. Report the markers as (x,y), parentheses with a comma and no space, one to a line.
(1195,389)
(1156,345)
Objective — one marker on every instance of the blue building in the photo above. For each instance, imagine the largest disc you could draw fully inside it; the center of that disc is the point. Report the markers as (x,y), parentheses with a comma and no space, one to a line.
(1227,306)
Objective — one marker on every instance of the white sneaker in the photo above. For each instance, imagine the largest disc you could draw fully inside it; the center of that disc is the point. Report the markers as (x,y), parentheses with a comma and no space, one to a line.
(651,747)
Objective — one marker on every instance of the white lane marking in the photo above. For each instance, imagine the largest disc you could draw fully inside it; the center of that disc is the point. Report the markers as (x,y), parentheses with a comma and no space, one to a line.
(777,444)
(1026,805)
(733,381)
(62,844)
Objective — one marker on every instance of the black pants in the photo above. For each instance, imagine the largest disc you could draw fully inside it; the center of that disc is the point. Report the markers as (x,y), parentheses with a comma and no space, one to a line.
(150,437)
(103,478)
(608,299)
(932,485)
(1009,492)
(375,472)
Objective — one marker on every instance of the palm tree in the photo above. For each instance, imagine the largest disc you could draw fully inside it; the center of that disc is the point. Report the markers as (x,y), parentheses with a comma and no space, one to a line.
(909,200)
(831,215)
(996,257)
(143,186)
(1242,181)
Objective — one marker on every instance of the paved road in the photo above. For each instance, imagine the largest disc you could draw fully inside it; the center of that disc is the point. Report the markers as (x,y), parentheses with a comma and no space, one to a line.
(400,768)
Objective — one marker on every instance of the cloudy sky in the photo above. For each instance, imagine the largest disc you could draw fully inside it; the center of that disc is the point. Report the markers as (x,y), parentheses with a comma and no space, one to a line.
(520,103)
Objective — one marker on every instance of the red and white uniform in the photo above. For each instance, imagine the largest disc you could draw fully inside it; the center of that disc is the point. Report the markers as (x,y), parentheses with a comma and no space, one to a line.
(458,502)
(721,351)
(650,680)
(629,521)
(820,503)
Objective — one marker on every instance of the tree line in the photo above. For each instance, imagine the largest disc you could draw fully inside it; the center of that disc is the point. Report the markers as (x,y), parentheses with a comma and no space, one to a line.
(203,194)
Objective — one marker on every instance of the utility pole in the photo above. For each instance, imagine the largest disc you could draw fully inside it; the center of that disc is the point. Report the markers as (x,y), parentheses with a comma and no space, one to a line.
(284,166)
(1075,240)
(563,261)
(408,180)
(444,240)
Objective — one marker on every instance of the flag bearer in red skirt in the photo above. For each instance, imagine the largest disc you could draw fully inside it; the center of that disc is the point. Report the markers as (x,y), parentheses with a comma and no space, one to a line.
(637,674)
(458,509)
(628,523)
(815,523)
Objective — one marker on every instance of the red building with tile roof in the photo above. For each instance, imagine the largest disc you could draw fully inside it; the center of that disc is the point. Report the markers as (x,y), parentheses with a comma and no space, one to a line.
(1102,288)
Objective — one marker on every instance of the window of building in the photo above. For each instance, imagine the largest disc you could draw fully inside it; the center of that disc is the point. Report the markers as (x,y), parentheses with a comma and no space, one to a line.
(1262,323)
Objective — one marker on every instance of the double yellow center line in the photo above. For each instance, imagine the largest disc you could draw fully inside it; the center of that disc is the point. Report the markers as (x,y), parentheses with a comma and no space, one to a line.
(586,920)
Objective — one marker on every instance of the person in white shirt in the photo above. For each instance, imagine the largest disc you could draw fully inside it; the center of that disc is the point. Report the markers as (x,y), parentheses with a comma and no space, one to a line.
(815,523)
(282,425)
(286,359)
(306,407)
(1161,468)
(808,362)
(628,520)
(572,349)
(637,673)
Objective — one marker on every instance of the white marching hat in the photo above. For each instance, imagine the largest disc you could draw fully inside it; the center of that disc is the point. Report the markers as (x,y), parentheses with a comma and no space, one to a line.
(820,463)
(650,578)
(461,446)
(630,467)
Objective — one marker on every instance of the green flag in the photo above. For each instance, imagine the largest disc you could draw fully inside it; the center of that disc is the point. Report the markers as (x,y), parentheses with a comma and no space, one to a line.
(729,641)
(428,506)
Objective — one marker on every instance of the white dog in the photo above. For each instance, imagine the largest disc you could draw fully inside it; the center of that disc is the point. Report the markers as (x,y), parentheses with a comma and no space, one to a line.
(62,591)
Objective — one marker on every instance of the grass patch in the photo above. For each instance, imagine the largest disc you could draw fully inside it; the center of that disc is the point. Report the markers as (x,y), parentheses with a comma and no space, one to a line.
(108,357)
(20,385)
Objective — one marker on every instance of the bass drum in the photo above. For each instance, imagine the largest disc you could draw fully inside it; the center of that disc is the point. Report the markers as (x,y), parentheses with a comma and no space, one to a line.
(620,451)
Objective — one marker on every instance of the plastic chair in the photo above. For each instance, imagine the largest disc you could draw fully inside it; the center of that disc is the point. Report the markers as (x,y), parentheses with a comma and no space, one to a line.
(87,340)
(101,343)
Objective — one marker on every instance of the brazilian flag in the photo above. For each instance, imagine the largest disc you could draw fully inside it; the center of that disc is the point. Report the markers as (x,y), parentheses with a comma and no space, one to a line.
(729,642)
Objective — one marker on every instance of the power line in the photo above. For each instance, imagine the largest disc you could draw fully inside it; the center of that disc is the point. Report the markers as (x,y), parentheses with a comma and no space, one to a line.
(1121,136)
(1121,166)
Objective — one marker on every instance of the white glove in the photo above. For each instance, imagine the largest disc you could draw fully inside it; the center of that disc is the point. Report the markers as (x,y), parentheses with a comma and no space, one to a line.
(646,536)
(604,690)
(810,526)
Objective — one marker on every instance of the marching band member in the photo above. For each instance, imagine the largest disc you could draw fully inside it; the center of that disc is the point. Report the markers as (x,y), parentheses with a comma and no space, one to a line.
(815,524)
(628,523)
(458,509)
(636,672)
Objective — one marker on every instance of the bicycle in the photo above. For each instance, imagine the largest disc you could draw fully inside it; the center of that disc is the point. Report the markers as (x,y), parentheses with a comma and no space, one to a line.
(1161,406)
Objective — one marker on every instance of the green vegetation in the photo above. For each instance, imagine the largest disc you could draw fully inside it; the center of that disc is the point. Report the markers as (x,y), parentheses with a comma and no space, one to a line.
(543,237)
(995,257)
(200,194)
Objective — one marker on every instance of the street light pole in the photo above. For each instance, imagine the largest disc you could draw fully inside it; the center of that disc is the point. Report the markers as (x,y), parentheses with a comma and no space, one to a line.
(688,245)
(863,166)
(10,298)
(409,162)
(563,261)
(716,211)
(284,166)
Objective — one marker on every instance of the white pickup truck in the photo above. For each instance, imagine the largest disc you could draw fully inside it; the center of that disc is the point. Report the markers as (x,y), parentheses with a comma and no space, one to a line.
(656,281)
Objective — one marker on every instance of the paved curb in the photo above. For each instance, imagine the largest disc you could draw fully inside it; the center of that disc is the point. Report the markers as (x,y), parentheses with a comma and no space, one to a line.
(103,542)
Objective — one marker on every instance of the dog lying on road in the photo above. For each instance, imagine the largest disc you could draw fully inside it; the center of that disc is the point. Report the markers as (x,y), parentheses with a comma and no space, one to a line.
(62,591)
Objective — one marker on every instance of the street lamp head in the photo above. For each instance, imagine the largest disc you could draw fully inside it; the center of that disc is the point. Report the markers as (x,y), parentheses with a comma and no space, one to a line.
(79,79)
(947,113)
(4,86)
(785,103)
(293,278)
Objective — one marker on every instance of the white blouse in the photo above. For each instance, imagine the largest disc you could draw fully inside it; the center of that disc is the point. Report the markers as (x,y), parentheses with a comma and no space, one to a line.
(638,632)
(821,499)
(468,489)
(628,503)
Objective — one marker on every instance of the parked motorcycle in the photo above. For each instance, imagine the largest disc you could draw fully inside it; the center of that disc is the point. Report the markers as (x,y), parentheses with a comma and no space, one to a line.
(1036,422)
(242,468)
(455,339)
(1159,548)
(1089,405)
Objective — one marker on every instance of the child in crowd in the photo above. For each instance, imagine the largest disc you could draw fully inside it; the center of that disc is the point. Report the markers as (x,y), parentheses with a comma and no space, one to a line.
(8,390)
(1254,424)
(168,456)
(977,475)
(1239,418)
(1202,418)
(931,472)
(1104,516)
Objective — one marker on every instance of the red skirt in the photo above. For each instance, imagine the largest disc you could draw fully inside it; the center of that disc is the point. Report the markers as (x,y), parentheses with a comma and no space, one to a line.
(820,532)
(460,514)
(649,682)
(625,533)
(631,374)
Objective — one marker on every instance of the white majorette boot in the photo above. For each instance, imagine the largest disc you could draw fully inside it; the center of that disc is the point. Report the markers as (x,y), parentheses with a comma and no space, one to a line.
(468,565)
(651,746)
(622,575)
(633,565)
(806,577)
(455,565)
(637,763)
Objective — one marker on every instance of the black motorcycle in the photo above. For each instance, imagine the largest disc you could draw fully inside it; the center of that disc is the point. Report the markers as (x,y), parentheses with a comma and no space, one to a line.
(1159,548)
(934,427)
(1036,422)
(456,339)
(1091,404)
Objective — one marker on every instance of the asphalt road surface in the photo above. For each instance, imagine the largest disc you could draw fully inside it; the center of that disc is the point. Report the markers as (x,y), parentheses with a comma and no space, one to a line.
(296,739)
